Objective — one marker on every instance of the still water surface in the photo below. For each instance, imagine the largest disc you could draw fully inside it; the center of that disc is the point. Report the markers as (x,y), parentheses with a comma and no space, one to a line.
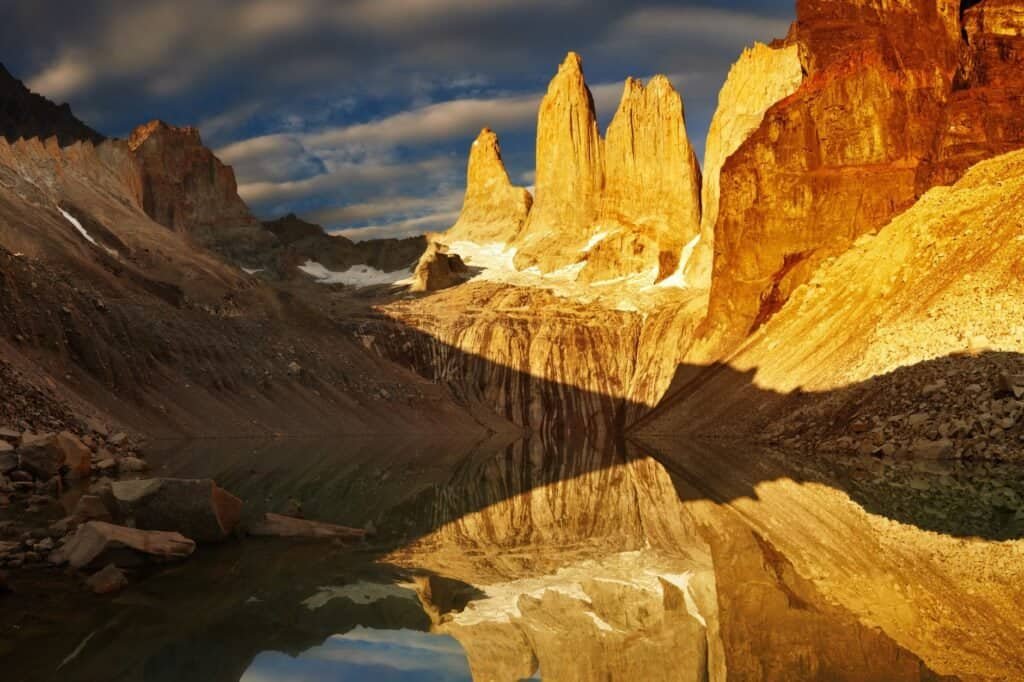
(583,561)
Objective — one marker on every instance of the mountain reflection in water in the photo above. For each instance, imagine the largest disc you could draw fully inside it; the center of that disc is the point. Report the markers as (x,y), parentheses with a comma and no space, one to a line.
(569,561)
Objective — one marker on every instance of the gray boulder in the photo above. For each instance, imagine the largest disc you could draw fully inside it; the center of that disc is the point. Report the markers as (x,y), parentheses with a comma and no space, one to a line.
(198,509)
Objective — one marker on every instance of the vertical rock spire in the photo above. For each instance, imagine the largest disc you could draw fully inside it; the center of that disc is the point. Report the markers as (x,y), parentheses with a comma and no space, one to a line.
(570,172)
(494,210)
(651,200)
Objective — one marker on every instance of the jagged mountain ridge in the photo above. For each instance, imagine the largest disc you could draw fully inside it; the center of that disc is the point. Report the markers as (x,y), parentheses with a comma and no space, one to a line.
(26,115)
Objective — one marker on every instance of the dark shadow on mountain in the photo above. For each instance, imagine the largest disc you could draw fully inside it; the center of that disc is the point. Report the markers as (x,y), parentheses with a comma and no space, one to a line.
(26,115)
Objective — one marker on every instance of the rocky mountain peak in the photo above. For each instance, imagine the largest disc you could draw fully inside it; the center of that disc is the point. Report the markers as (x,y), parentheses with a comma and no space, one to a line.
(570,169)
(162,130)
(24,114)
(493,210)
(650,205)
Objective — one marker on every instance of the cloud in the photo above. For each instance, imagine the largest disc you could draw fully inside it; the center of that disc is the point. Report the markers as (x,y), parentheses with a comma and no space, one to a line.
(62,79)
(322,104)
(388,206)
(434,222)
(365,174)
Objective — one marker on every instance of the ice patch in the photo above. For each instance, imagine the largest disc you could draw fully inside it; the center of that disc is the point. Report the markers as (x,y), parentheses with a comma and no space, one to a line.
(356,276)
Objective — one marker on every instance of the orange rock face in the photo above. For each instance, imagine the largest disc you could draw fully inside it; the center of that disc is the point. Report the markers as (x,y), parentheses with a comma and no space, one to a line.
(897,99)
(186,188)
(570,170)
(650,205)
(494,210)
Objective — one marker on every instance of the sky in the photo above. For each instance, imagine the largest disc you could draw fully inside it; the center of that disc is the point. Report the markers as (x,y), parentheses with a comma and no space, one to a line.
(359,114)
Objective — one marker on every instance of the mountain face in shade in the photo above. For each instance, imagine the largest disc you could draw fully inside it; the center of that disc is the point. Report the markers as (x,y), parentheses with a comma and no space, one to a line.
(494,210)
(24,114)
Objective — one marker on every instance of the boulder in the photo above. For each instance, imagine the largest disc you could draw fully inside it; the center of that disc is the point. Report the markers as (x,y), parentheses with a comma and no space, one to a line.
(277,525)
(197,508)
(130,465)
(39,456)
(9,435)
(5,587)
(91,508)
(438,270)
(108,580)
(8,462)
(97,539)
(77,457)
(1012,384)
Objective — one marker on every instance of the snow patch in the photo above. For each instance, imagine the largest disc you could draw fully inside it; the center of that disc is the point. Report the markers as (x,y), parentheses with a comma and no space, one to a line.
(594,241)
(82,231)
(362,593)
(253,271)
(678,278)
(356,276)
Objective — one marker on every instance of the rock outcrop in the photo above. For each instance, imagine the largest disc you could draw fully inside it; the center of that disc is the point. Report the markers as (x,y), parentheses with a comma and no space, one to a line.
(570,172)
(894,102)
(494,210)
(186,188)
(199,509)
(650,205)
(438,270)
(763,76)
(26,115)
(97,542)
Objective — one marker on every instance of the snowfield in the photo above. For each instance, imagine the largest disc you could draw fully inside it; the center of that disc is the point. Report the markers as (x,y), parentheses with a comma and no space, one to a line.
(356,276)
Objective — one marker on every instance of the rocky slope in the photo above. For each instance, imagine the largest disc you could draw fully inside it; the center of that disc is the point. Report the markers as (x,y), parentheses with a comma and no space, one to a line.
(907,344)
(493,210)
(107,313)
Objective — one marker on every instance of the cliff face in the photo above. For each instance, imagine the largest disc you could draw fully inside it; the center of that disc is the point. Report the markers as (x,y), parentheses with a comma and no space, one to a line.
(570,171)
(762,76)
(650,206)
(187,189)
(873,125)
(493,210)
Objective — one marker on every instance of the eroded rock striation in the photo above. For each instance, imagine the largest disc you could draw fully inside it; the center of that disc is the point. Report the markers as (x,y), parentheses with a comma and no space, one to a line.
(494,210)
(650,205)
(570,171)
